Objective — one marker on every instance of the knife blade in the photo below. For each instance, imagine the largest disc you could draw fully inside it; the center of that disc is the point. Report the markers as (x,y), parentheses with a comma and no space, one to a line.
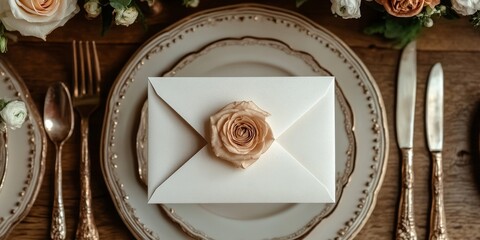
(434,129)
(406,93)
(434,109)
(405,116)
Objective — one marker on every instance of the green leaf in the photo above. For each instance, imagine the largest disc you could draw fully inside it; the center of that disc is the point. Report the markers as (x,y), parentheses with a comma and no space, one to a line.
(400,30)
(141,16)
(3,103)
(120,4)
(107,18)
(377,28)
(117,5)
(393,29)
(299,3)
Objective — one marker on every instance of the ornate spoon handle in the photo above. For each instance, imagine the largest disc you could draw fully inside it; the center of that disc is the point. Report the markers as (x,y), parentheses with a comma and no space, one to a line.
(86,228)
(406,220)
(438,223)
(58,228)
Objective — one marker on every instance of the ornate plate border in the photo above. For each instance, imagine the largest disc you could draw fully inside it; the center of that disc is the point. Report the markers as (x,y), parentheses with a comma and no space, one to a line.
(29,187)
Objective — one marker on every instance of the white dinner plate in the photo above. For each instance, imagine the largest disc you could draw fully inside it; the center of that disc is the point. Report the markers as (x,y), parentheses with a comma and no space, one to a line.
(167,48)
(26,153)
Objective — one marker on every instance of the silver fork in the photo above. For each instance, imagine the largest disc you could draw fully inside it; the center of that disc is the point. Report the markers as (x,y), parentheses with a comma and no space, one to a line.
(86,98)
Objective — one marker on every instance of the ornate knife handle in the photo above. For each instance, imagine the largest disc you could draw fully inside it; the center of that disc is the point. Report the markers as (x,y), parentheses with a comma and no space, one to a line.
(58,228)
(438,223)
(86,228)
(406,220)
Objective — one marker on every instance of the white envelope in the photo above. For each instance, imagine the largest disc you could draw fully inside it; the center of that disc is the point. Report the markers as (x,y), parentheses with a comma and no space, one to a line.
(299,167)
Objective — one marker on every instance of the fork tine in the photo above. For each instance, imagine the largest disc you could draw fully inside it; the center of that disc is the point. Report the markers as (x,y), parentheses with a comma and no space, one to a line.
(82,69)
(75,69)
(98,78)
(89,68)
(87,79)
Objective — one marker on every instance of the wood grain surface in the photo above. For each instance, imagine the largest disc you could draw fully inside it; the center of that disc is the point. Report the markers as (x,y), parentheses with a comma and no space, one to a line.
(453,43)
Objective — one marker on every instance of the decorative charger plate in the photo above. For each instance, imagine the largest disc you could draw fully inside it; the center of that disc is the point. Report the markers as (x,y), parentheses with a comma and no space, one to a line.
(26,152)
(163,51)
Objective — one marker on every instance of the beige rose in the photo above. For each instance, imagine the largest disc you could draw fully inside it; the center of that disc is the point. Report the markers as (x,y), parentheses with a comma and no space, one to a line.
(240,134)
(36,17)
(406,8)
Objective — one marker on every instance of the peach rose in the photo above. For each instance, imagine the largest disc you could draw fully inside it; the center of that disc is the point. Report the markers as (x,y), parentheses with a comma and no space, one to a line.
(406,8)
(36,17)
(240,134)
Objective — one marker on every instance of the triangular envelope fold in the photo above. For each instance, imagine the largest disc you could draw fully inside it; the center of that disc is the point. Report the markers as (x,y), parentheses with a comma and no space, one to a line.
(303,141)
(219,182)
(166,148)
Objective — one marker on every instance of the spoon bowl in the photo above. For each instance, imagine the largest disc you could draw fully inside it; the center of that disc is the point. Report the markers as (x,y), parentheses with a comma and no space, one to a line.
(58,121)
(58,113)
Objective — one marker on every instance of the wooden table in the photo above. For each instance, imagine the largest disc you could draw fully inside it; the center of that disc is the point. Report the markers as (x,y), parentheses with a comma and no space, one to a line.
(453,43)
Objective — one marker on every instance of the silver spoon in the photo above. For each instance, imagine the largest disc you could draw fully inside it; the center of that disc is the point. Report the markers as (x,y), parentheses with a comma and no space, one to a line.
(58,121)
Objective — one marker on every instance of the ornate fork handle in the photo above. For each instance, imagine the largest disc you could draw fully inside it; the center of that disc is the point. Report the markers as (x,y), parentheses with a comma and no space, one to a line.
(86,226)
(406,220)
(438,223)
(58,228)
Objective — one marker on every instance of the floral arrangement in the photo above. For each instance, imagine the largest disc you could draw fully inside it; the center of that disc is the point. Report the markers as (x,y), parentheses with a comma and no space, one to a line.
(12,113)
(38,18)
(402,20)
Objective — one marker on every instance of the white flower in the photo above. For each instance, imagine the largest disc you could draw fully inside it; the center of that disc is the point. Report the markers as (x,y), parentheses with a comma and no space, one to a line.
(93,8)
(466,7)
(36,18)
(346,8)
(191,3)
(125,16)
(14,114)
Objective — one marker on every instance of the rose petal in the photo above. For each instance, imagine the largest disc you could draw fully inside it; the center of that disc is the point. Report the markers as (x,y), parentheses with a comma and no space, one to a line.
(402,8)
(39,7)
(17,19)
(240,133)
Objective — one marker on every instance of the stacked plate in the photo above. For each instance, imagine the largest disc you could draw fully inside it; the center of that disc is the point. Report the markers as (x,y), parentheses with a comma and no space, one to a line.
(22,170)
(247,40)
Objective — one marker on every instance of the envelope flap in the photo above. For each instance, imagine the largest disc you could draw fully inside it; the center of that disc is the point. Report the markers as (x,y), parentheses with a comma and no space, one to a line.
(171,141)
(276,175)
(302,139)
(286,98)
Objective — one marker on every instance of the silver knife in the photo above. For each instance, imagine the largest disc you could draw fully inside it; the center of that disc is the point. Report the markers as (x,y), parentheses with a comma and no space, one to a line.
(406,92)
(434,123)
